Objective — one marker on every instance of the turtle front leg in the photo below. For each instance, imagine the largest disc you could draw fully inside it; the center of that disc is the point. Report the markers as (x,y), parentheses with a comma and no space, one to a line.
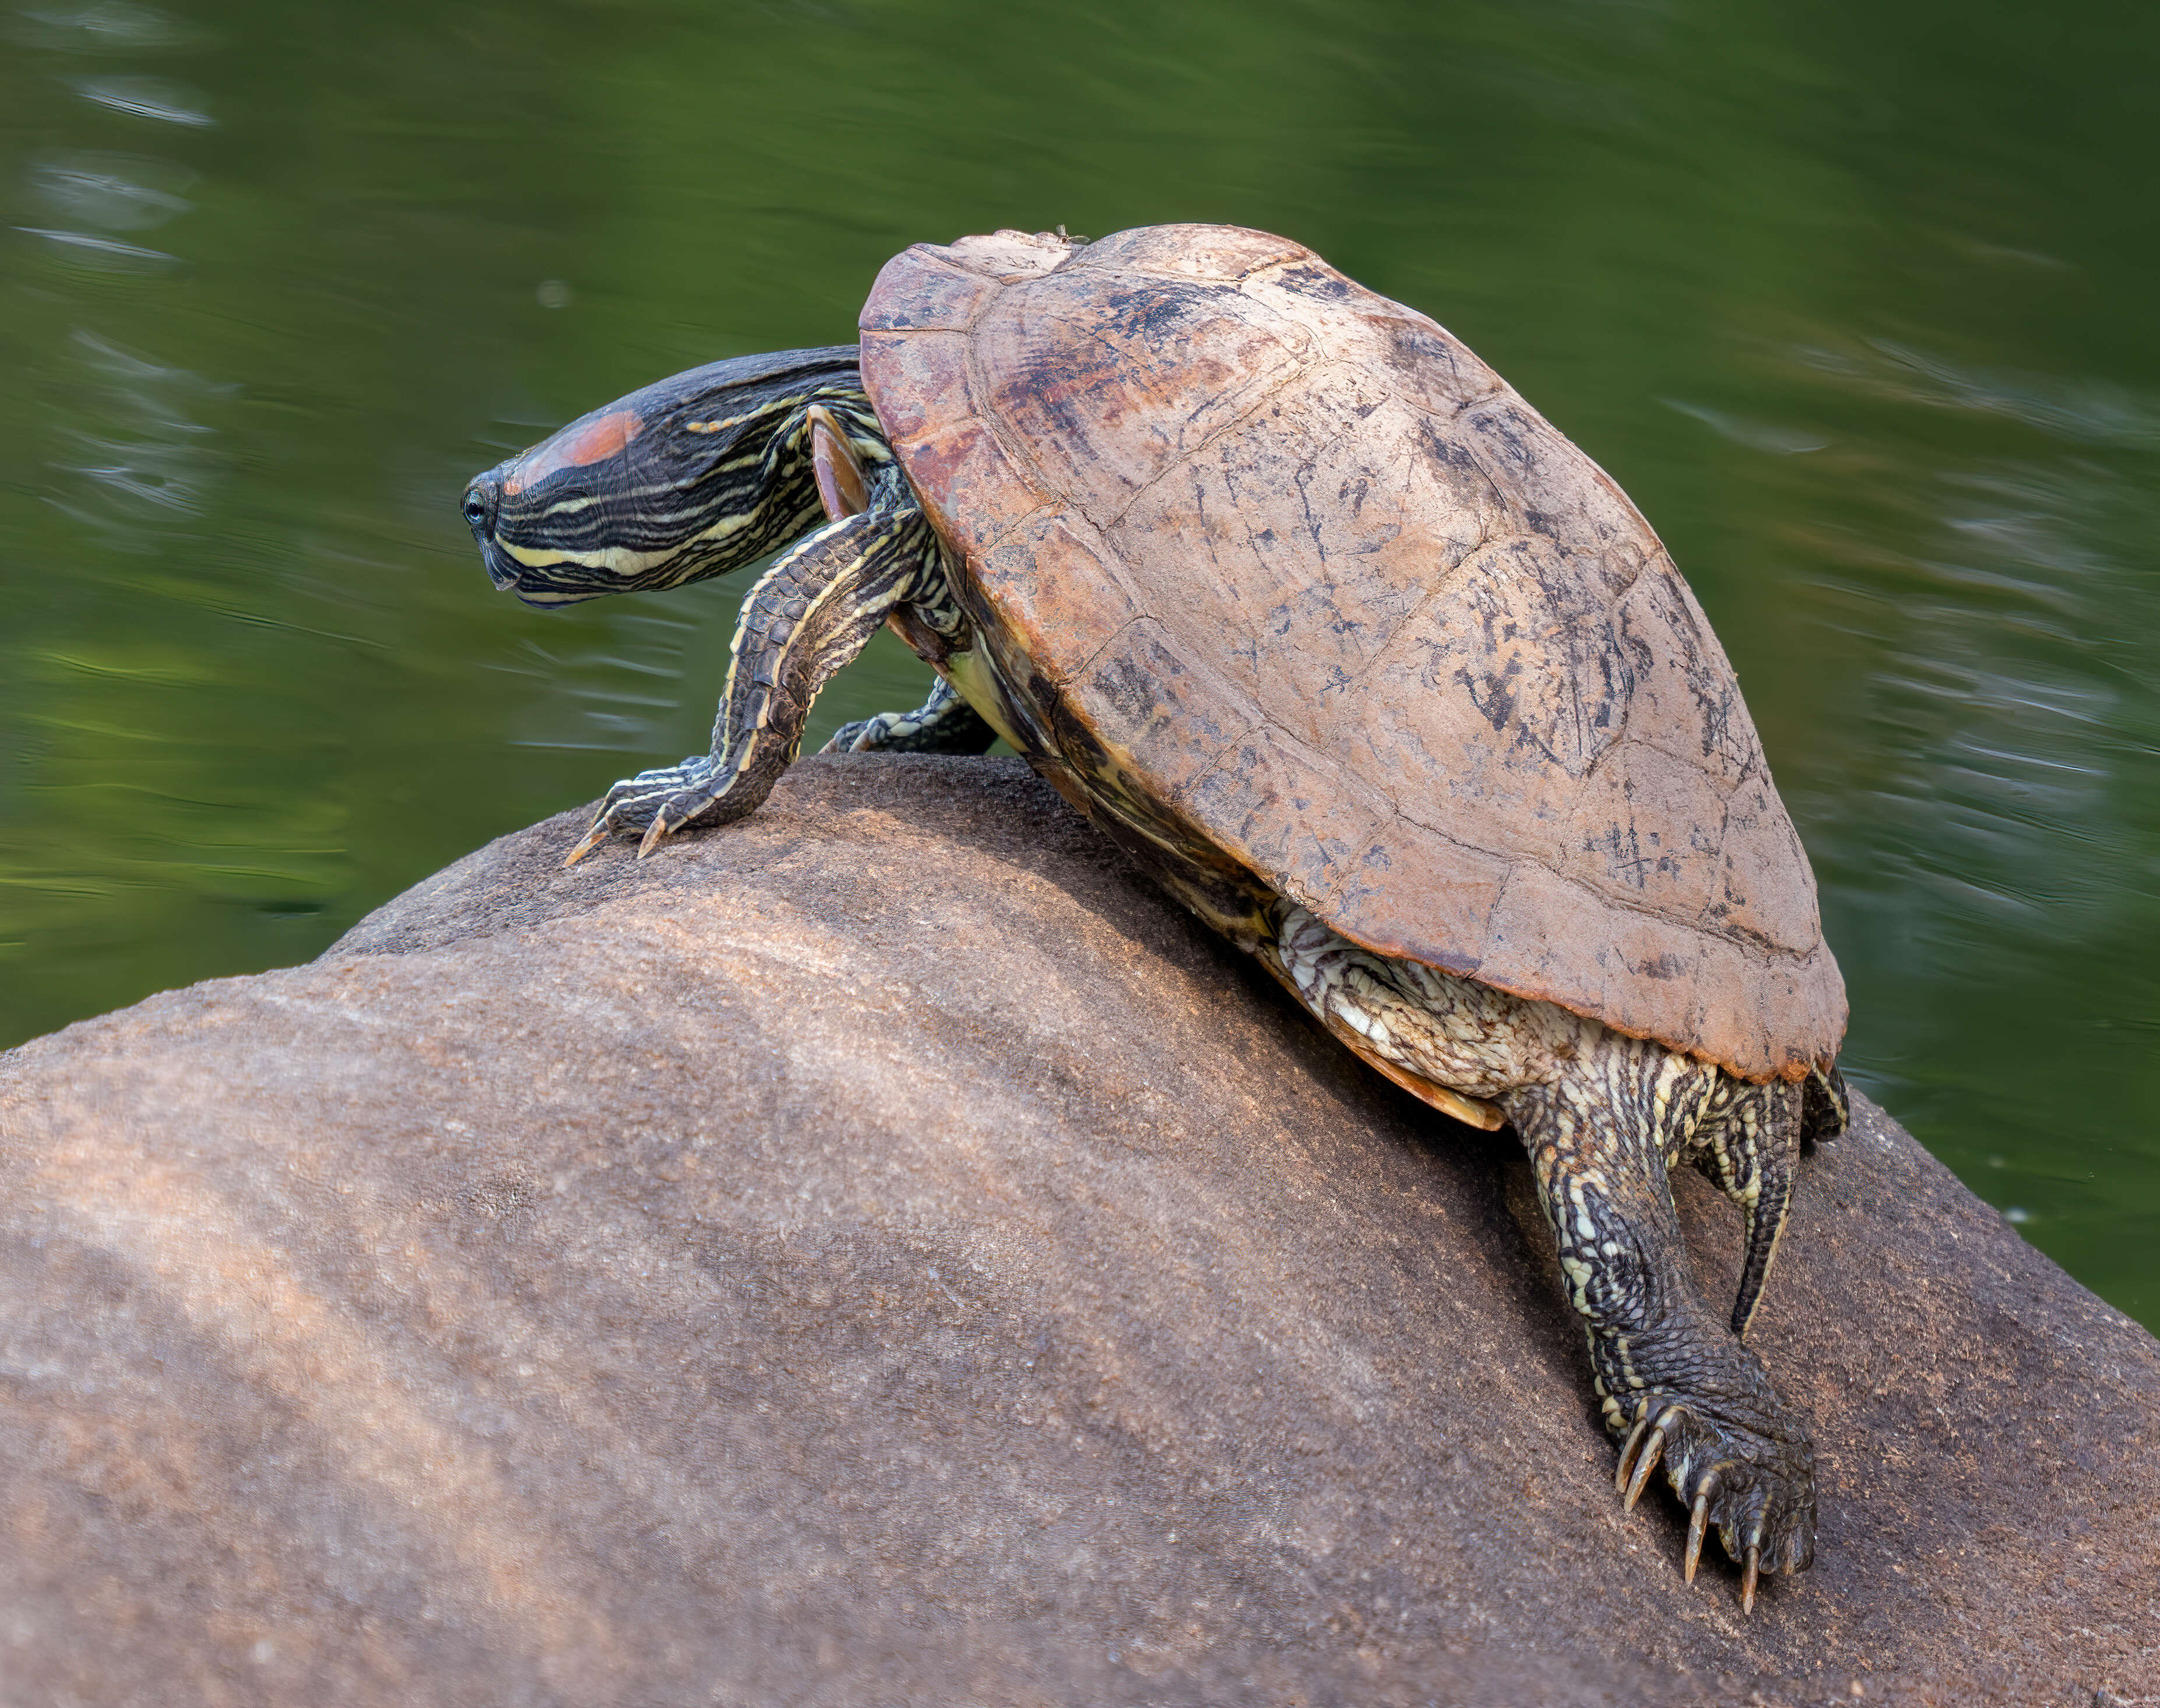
(1681,1390)
(812,612)
(944,724)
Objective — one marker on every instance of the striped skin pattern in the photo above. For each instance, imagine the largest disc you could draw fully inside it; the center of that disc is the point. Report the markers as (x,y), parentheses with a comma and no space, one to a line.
(704,472)
(812,612)
(695,476)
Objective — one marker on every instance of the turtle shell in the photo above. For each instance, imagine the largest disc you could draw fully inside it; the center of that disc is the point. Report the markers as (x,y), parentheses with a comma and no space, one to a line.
(1326,592)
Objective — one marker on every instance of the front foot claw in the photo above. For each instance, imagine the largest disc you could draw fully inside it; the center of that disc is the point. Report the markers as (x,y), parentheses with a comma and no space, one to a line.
(1753,1478)
(656,803)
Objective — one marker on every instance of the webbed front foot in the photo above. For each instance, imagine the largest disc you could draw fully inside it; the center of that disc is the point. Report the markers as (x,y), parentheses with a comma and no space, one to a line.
(655,804)
(1736,1462)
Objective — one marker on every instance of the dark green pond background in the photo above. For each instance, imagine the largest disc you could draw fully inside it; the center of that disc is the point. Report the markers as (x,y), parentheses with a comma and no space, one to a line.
(1856,298)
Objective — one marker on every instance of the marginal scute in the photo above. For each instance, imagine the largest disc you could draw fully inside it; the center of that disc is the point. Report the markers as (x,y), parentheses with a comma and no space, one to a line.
(1387,888)
(1282,562)
(1642,975)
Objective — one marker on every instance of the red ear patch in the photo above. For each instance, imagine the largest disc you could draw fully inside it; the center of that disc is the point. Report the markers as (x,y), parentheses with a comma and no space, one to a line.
(578,444)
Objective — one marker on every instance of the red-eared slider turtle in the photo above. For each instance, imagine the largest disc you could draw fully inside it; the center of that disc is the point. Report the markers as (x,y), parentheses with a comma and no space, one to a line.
(1295,598)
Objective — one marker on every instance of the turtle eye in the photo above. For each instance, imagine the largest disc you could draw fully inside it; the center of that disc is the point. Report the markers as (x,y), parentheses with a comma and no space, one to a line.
(477,508)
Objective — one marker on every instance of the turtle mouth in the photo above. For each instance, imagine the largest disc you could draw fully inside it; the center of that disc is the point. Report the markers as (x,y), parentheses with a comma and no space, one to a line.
(502,569)
(532,587)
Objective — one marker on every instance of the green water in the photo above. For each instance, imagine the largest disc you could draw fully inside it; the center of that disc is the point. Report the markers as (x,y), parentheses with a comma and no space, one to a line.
(1855,298)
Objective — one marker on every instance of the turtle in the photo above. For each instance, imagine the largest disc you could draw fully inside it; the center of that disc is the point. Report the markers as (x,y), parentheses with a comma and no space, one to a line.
(1309,612)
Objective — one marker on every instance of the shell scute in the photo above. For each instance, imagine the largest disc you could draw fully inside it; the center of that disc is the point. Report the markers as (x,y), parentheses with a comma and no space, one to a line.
(1562,493)
(929,375)
(1158,713)
(1766,892)
(1298,528)
(1109,389)
(1648,830)
(1411,355)
(1066,588)
(1490,707)
(1684,697)
(1286,804)
(1006,256)
(970,487)
(1219,254)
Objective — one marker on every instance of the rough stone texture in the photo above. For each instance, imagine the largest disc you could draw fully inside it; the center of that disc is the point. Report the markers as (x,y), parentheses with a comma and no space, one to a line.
(1297,570)
(882,1253)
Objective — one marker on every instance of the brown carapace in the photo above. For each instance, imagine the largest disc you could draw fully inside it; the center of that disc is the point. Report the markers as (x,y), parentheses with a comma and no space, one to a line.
(1320,583)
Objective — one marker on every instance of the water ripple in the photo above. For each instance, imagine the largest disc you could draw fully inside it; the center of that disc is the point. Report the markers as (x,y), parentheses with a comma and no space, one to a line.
(153,462)
(108,254)
(118,192)
(145,98)
(1756,436)
(2086,412)
(112,26)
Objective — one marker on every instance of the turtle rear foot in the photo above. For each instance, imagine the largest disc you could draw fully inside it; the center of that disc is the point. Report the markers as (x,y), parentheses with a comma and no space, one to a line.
(1740,1470)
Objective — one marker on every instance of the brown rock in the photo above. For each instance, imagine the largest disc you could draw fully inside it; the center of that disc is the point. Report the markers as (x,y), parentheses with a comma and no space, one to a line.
(883,1253)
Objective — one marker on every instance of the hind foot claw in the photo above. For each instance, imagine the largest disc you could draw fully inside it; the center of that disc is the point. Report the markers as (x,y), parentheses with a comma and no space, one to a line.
(1751,1477)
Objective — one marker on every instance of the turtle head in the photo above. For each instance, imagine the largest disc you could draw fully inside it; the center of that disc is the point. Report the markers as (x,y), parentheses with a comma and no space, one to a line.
(693,476)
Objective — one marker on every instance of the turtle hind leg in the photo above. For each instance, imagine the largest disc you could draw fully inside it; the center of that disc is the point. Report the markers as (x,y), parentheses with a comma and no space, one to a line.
(1825,1107)
(944,724)
(812,612)
(1748,1142)
(1684,1394)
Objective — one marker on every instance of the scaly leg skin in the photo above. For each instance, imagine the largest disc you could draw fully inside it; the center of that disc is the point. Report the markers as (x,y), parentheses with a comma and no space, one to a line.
(813,611)
(1825,1108)
(1684,1391)
(1604,1119)
(945,723)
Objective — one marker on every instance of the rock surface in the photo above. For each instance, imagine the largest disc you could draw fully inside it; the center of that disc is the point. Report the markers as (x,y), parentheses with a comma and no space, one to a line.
(883,1253)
